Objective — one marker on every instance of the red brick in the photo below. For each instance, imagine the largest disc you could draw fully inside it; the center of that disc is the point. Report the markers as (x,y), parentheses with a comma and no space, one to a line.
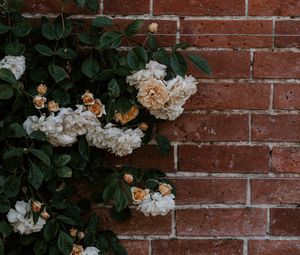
(206,127)
(224,64)
(53,6)
(139,247)
(221,222)
(204,7)
(273,247)
(146,157)
(287,96)
(285,222)
(287,27)
(224,159)
(197,247)
(276,127)
(119,7)
(274,7)
(275,191)
(286,160)
(227,96)
(139,224)
(276,65)
(227,33)
(201,191)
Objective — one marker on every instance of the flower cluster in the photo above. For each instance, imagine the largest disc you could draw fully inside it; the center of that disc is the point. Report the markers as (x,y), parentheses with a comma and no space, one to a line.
(16,64)
(164,99)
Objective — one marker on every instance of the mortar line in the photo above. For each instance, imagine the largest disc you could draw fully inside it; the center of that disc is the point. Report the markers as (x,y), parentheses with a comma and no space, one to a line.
(173,230)
(149,247)
(246,8)
(248,201)
(178,34)
(245,247)
(151,7)
(101,7)
(271,106)
(250,127)
(273,34)
(207,175)
(175,146)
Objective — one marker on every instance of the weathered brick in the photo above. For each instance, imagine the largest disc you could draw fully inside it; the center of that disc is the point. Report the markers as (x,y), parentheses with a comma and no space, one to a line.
(201,191)
(224,64)
(274,8)
(276,127)
(224,159)
(137,225)
(227,33)
(275,191)
(276,65)
(221,222)
(205,7)
(274,247)
(287,96)
(118,7)
(227,96)
(206,127)
(197,247)
(285,222)
(286,33)
(286,160)
(146,157)
(139,247)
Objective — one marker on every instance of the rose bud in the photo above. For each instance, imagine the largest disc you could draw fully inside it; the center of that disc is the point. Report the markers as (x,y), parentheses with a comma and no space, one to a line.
(80,235)
(152,28)
(53,106)
(39,102)
(73,232)
(139,194)
(36,206)
(45,215)
(128,178)
(88,98)
(97,108)
(143,126)
(165,189)
(42,89)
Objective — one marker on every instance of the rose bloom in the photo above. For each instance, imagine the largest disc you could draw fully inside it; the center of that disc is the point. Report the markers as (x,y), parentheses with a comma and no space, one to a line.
(39,101)
(42,89)
(143,126)
(152,28)
(128,178)
(165,189)
(45,215)
(77,250)
(97,108)
(73,232)
(88,98)
(53,106)
(139,195)
(36,206)
(153,94)
(128,116)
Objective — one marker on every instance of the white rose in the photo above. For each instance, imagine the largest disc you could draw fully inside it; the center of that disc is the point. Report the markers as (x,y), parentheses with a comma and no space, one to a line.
(16,64)
(91,251)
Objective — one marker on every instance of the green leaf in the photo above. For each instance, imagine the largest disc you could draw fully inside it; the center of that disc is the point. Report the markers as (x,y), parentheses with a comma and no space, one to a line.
(65,243)
(41,156)
(4,204)
(152,42)
(85,38)
(35,176)
(64,172)
(43,49)
(122,215)
(38,135)
(104,75)
(114,89)
(109,189)
(123,105)
(12,186)
(3,28)
(5,229)
(61,96)
(161,56)
(163,144)
(13,158)
(118,249)
(40,247)
(84,148)
(62,28)
(67,220)
(21,29)
(2,248)
(134,27)
(14,5)
(7,75)
(67,53)
(137,58)
(17,130)
(50,229)
(201,63)
(120,199)
(48,31)
(181,45)
(14,49)
(111,39)
(90,4)
(178,64)
(90,67)
(62,160)
(102,22)
(56,72)
(6,91)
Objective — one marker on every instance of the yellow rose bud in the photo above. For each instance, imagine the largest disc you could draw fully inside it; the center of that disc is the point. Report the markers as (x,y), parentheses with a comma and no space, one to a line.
(88,98)
(165,189)
(97,108)
(77,250)
(53,106)
(80,235)
(128,116)
(73,232)
(42,89)
(139,194)
(143,126)
(128,178)
(45,215)
(152,28)
(39,101)
(36,206)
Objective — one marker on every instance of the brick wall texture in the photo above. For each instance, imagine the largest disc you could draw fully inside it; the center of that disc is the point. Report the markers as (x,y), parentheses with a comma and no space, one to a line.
(235,155)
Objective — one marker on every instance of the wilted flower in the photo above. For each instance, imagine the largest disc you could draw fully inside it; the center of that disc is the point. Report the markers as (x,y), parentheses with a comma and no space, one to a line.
(36,206)
(88,98)
(97,108)
(128,116)
(143,126)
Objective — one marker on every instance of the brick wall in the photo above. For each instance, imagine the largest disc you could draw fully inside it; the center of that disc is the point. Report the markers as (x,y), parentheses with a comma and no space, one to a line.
(235,151)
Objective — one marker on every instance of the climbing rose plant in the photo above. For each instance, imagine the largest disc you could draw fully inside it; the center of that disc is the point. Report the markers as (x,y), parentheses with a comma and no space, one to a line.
(69,90)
